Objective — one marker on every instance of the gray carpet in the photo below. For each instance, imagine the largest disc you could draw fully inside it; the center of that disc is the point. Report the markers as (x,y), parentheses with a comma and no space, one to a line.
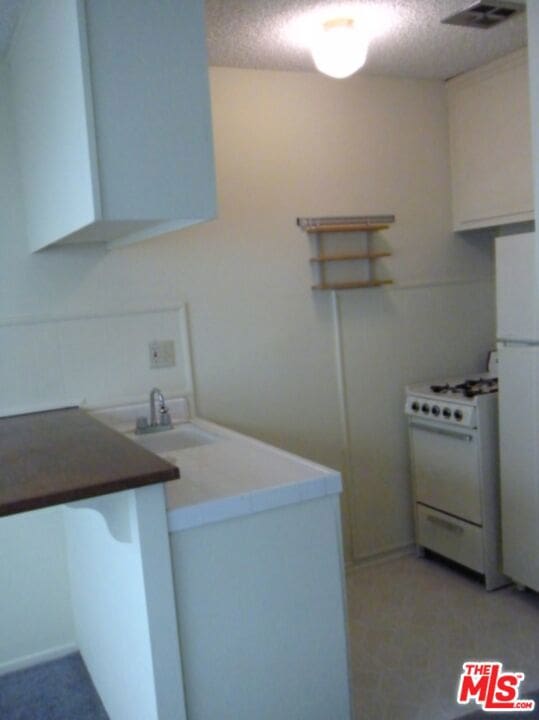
(56,690)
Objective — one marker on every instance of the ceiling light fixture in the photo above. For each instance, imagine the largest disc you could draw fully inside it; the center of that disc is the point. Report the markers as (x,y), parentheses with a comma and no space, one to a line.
(340,48)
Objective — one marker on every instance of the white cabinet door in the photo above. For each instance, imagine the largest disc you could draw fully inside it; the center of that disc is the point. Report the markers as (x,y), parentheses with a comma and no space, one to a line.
(261,612)
(490,136)
(54,122)
(112,110)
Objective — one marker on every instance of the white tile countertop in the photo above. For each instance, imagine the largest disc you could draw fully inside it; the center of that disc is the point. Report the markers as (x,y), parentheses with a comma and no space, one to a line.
(230,477)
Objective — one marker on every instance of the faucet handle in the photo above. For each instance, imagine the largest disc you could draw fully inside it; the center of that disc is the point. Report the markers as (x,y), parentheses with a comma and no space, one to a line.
(142,424)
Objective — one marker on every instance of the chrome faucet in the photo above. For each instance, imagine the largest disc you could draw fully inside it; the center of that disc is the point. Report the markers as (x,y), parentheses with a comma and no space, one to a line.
(156,394)
(164,422)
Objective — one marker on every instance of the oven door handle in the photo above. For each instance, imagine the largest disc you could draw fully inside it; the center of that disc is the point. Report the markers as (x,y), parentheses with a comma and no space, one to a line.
(466,437)
(445,524)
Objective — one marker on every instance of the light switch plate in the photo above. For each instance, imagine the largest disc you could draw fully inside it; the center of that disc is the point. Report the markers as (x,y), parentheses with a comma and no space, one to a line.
(162,354)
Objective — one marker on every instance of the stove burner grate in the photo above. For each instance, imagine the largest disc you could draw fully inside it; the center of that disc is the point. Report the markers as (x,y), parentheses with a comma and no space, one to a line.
(441,388)
(469,388)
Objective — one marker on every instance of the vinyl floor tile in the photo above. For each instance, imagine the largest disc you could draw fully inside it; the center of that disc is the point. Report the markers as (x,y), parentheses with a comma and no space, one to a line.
(414,621)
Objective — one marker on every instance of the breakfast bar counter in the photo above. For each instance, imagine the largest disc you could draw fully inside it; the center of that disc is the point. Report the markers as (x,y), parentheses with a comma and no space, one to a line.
(110,500)
(59,456)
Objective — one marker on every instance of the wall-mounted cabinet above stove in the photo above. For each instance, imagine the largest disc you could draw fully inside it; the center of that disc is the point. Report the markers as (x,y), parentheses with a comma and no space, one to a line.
(112,113)
(490,136)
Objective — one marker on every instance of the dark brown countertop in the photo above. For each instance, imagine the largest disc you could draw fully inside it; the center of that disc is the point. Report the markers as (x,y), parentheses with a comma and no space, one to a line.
(59,456)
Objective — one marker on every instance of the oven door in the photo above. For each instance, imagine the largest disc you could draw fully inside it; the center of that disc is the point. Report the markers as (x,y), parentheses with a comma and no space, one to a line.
(445,469)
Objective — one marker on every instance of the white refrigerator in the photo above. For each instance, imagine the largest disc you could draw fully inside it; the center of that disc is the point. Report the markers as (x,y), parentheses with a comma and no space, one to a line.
(517,303)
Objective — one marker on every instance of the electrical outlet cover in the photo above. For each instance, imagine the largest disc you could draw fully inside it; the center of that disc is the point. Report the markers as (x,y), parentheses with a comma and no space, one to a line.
(162,354)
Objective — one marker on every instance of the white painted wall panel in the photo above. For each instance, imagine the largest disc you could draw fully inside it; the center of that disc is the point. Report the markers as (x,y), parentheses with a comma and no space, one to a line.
(400,337)
(90,360)
(31,373)
(36,622)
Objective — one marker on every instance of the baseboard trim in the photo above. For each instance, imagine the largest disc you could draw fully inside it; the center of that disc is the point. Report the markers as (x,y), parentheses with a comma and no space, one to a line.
(380,557)
(38,658)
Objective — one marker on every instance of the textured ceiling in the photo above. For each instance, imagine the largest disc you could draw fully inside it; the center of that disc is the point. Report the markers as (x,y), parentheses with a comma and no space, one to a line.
(272,34)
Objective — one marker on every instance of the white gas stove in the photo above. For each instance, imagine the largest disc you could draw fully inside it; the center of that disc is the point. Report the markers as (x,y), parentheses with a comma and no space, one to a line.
(454,461)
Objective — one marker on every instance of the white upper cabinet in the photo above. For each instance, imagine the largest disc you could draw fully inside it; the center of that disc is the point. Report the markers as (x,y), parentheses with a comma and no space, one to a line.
(490,135)
(112,110)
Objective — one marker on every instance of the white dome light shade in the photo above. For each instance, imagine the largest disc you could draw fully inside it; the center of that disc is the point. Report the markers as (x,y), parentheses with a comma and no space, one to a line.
(340,48)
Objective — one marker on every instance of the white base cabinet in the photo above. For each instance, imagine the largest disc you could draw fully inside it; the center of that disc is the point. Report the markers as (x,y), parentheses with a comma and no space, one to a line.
(490,140)
(261,613)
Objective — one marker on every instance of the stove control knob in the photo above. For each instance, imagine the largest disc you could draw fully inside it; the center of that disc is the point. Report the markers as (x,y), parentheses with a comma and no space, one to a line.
(458,415)
(446,413)
(415,406)
(435,410)
(425,408)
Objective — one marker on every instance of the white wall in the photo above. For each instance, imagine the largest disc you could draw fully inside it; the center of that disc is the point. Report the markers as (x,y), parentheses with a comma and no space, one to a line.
(36,622)
(35,614)
(288,145)
(90,360)
(396,338)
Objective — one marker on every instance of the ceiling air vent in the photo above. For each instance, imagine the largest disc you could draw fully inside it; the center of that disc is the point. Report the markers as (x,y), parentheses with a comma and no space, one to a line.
(484,15)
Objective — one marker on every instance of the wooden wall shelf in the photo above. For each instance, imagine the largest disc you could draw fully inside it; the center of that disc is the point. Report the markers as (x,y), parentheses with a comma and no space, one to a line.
(352,285)
(348,227)
(352,256)
(364,227)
